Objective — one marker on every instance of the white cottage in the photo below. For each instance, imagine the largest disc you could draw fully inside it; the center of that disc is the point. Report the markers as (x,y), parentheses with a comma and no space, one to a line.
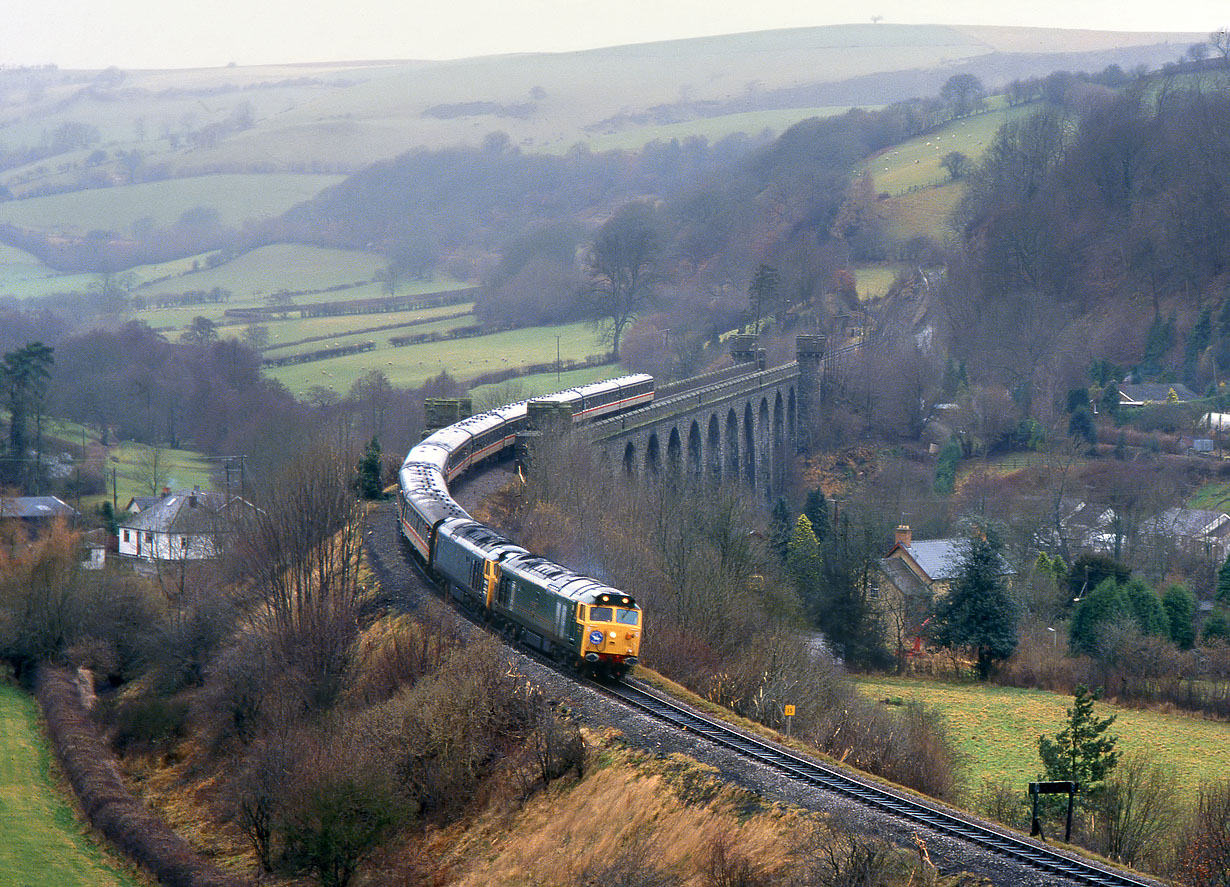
(181,526)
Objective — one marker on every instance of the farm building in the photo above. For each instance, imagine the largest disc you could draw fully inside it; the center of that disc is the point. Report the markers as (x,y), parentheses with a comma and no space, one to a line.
(181,526)
(34,511)
(912,575)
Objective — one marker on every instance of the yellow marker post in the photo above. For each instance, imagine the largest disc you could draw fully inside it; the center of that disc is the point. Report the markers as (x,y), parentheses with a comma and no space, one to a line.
(788,711)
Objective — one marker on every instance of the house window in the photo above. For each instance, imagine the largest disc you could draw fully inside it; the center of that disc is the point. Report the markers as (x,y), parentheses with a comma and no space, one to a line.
(149,538)
(125,535)
(183,541)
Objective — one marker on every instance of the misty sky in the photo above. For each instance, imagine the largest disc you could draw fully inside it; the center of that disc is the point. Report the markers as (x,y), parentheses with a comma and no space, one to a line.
(210,33)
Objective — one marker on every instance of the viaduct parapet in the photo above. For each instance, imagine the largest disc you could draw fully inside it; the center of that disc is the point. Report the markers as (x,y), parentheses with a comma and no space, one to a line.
(743,423)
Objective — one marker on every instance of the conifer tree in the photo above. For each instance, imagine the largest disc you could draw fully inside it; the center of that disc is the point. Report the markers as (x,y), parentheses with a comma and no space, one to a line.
(367,482)
(1081,752)
(978,612)
(816,507)
(1223,582)
(804,560)
(781,525)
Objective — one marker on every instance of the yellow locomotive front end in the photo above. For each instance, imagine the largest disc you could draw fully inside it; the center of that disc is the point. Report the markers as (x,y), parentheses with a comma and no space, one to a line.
(611,631)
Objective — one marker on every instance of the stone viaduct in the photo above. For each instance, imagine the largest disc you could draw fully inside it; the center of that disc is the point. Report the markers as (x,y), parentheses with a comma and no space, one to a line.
(740,423)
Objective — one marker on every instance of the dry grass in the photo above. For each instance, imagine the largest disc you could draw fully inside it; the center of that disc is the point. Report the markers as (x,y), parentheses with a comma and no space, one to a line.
(671,810)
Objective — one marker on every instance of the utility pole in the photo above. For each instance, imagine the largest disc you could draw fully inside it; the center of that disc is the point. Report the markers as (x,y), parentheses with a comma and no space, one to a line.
(557,360)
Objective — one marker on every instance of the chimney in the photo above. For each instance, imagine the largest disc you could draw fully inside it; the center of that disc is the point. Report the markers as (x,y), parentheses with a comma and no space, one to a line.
(192,497)
(903,536)
(166,491)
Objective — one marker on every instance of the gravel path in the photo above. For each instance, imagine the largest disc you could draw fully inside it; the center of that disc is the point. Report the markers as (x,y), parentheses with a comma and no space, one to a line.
(406,586)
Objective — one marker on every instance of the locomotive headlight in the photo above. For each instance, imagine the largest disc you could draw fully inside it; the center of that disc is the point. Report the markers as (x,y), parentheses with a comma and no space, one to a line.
(595,638)
(614,635)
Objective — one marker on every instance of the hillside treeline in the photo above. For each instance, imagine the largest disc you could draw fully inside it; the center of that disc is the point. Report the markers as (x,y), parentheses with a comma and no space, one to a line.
(1117,213)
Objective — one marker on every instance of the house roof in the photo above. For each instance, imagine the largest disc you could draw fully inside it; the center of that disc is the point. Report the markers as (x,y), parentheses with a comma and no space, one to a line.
(1154,392)
(1189,522)
(903,577)
(35,507)
(941,559)
(184,513)
(140,503)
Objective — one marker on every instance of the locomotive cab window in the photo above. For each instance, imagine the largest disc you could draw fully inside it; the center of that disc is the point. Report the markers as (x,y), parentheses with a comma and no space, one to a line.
(626,617)
(599,614)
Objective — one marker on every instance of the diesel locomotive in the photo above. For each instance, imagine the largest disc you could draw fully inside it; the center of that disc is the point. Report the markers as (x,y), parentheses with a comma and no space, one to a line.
(572,618)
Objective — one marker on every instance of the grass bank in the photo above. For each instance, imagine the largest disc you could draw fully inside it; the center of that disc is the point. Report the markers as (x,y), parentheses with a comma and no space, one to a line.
(997,728)
(42,843)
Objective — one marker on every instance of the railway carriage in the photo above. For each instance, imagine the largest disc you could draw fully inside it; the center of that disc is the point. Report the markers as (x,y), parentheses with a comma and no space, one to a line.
(571,617)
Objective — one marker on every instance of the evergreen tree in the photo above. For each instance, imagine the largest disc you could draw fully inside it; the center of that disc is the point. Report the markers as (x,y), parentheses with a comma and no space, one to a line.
(816,507)
(1157,344)
(1223,579)
(107,513)
(1081,426)
(804,561)
(781,525)
(1197,340)
(978,612)
(1180,607)
(762,291)
(1216,627)
(1111,602)
(24,374)
(1081,752)
(946,466)
(1108,403)
(367,482)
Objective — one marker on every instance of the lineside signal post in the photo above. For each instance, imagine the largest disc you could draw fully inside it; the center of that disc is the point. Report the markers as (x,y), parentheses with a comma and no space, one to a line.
(788,711)
(1052,788)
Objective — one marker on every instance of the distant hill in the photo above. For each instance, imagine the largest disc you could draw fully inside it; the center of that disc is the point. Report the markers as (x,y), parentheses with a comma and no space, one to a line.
(338,117)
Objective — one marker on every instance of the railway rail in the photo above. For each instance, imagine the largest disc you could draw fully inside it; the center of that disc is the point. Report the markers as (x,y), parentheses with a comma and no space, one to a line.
(898,805)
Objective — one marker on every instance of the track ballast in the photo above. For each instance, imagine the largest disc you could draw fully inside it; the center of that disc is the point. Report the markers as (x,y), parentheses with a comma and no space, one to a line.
(901,806)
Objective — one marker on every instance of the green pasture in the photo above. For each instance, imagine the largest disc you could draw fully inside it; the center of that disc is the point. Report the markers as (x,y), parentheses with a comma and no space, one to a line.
(1212,497)
(381,338)
(873,281)
(280,266)
(42,843)
(713,128)
(996,729)
(295,329)
(926,212)
(236,198)
(915,163)
(180,470)
(462,358)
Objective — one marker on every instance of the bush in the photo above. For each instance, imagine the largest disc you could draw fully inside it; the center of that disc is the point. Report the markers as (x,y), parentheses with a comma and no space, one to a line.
(125,821)
(149,722)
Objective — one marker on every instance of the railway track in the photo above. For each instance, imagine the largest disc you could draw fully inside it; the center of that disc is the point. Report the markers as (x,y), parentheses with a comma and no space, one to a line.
(900,806)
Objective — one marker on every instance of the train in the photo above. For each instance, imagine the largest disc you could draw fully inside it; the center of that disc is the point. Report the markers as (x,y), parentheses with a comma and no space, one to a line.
(571,618)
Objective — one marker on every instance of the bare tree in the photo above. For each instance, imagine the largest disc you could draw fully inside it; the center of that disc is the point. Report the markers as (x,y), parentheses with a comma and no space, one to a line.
(622,269)
(152,470)
(299,552)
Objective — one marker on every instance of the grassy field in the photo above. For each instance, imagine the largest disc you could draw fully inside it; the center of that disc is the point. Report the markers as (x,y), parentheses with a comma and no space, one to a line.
(380,338)
(42,843)
(873,281)
(180,470)
(997,729)
(463,358)
(915,163)
(712,128)
(924,212)
(237,198)
(295,329)
(1212,497)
